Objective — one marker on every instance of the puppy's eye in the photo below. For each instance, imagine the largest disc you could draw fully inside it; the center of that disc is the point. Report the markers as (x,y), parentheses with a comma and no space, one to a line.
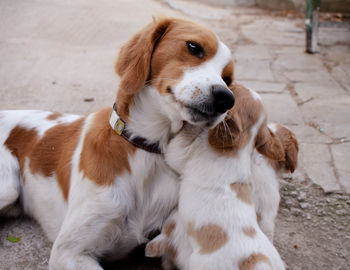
(195,49)
(227,80)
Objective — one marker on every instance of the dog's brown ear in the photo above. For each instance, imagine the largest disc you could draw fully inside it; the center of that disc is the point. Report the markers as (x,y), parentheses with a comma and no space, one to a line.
(133,63)
(268,144)
(290,145)
(226,134)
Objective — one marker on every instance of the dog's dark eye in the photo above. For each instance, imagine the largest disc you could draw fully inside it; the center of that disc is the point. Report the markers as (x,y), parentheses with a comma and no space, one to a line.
(195,49)
(227,80)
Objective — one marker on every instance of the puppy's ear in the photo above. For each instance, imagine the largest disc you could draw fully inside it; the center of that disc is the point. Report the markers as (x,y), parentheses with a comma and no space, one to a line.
(268,144)
(290,145)
(226,134)
(133,63)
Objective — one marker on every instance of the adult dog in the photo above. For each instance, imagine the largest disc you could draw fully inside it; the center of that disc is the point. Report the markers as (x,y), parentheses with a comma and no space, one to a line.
(97,184)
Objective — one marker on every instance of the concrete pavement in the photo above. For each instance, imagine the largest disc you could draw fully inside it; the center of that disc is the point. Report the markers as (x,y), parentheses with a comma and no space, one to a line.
(55,55)
(59,56)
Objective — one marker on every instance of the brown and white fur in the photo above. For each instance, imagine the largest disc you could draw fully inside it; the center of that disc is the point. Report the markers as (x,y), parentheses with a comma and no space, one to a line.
(95,194)
(215,225)
(266,176)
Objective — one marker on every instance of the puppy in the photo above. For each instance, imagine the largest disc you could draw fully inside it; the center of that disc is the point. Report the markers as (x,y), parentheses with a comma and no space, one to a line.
(215,225)
(98,184)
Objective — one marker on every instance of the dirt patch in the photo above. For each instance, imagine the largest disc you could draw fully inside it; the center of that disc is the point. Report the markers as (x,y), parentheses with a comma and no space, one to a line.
(312,227)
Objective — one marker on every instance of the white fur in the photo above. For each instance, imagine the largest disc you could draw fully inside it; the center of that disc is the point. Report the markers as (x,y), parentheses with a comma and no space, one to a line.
(42,199)
(9,167)
(272,127)
(9,178)
(266,193)
(151,115)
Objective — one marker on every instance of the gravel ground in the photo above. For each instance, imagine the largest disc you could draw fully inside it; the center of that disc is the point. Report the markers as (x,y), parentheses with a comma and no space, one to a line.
(313,228)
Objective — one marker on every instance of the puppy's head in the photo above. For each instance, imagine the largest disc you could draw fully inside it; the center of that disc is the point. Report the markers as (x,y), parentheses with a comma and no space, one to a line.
(185,63)
(246,123)
(290,146)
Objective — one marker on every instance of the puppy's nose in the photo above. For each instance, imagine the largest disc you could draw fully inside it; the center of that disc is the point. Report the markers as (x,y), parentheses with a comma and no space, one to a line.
(223,98)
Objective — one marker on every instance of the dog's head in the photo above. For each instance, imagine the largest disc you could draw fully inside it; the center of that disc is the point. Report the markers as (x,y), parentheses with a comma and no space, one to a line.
(186,63)
(246,123)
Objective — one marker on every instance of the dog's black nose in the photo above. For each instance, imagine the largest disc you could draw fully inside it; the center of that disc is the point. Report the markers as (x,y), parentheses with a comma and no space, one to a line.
(223,98)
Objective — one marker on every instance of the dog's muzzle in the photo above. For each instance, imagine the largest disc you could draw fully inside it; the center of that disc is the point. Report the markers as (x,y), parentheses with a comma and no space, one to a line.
(221,99)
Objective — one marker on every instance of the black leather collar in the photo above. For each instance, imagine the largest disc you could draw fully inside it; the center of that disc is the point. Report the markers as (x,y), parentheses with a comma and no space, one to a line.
(119,126)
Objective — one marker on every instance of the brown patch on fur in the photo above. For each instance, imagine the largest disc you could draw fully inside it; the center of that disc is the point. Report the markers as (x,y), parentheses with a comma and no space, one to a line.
(155,249)
(53,153)
(133,65)
(53,116)
(258,218)
(105,154)
(250,232)
(21,143)
(253,260)
(48,155)
(243,192)
(228,72)
(159,54)
(169,257)
(268,144)
(169,228)
(291,149)
(171,252)
(209,237)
